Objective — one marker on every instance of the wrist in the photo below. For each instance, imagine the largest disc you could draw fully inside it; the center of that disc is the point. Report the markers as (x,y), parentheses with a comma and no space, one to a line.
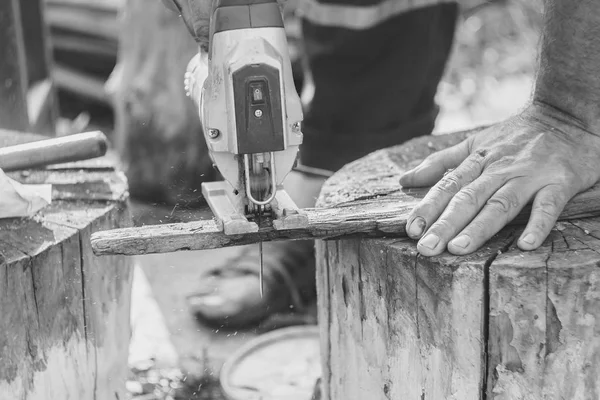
(556,118)
(572,105)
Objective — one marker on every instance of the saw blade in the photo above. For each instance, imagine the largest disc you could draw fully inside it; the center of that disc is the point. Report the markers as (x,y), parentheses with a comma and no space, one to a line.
(260,250)
(260,274)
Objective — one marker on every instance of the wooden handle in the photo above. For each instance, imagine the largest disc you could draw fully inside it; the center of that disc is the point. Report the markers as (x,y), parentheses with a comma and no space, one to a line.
(82,146)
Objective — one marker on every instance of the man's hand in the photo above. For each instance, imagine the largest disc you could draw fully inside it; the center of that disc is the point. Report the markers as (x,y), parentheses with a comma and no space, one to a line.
(542,155)
(547,154)
(195,15)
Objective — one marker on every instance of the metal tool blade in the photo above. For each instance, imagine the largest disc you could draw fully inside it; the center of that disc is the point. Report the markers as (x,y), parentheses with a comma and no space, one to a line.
(260,274)
(260,250)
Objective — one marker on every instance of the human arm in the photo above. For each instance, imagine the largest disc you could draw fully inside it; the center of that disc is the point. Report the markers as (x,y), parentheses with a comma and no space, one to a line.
(546,154)
(196,17)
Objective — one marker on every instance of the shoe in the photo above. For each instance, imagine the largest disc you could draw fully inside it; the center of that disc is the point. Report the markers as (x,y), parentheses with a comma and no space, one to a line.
(229,295)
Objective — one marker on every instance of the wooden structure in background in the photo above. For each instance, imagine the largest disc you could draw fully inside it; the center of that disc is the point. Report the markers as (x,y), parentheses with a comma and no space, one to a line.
(65,313)
(499,324)
(84,36)
(158,132)
(27,94)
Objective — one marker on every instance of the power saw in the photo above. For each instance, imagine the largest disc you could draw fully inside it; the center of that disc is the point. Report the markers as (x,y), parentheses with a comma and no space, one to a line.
(251,116)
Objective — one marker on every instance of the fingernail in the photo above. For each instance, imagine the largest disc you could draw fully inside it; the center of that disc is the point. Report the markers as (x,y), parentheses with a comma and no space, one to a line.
(404,179)
(529,239)
(430,241)
(461,241)
(416,228)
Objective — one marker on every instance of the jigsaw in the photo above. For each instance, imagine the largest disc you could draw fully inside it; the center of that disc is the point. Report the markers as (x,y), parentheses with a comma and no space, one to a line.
(251,116)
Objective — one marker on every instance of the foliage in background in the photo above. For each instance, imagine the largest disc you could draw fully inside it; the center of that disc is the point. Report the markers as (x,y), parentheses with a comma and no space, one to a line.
(493,63)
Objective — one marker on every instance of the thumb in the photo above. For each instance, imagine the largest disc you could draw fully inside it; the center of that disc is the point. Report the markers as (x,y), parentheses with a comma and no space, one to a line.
(433,168)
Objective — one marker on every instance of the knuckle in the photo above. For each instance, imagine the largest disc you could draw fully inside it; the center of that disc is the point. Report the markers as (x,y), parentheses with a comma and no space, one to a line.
(467,197)
(546,214)
(449,184)
(541,225)
(566,179)
(504,202)
(548,208)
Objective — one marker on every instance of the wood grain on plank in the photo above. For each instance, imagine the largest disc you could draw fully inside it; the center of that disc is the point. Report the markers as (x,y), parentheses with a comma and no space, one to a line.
(368,215)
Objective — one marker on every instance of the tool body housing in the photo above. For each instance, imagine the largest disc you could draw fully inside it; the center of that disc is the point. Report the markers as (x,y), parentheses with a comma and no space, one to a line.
(251,114)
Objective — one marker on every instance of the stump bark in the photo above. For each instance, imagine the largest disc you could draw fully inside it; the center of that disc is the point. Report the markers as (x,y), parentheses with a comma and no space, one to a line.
(64,313)
(498,324)
(158,132)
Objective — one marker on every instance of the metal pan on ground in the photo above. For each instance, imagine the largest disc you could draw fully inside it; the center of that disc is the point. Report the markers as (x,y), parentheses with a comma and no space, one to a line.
(283,364)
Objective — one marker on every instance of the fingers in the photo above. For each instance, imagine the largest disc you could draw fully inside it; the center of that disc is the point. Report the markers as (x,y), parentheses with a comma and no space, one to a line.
(499,210)
(438,197)
(547,206)
(432,169)
(461,210)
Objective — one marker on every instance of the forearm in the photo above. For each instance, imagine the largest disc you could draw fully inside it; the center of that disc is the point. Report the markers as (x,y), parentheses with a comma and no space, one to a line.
(569,74)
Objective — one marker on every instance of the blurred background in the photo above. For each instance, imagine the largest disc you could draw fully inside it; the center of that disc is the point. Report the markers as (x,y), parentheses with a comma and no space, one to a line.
(118,66)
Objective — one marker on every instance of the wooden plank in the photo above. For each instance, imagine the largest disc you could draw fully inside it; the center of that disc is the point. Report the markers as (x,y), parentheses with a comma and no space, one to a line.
(372,205)
(83,20)
(81,84)
(82,44)
(384,216)
(78,184)
(13,72)
(113,6)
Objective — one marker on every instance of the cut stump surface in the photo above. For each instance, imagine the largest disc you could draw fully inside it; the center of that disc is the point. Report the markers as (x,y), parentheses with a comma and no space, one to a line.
(498,324)
(64,313)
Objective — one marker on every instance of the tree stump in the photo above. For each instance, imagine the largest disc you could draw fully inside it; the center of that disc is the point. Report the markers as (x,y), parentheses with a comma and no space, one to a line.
(158,132)
(64,313)
(498,324)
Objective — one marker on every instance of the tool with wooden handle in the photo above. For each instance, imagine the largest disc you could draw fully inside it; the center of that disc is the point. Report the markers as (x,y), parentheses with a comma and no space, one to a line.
(78,147)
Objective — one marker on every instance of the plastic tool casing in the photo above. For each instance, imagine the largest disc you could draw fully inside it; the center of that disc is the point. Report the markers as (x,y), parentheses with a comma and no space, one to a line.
(248,102)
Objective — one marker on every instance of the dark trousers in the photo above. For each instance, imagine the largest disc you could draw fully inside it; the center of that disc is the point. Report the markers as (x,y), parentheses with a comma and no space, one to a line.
(374,87)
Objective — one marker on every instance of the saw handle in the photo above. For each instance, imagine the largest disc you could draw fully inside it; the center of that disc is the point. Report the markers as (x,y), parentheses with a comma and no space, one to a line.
(78,147)
(227,15)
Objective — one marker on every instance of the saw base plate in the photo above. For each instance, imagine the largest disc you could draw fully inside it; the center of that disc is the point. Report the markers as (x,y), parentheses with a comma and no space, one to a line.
(230,215)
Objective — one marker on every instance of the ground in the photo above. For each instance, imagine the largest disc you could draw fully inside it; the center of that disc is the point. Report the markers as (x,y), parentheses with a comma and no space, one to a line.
(488,78)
